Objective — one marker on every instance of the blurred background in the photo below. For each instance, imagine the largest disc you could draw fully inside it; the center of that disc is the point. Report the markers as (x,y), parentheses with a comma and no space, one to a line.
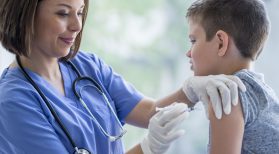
(146,42)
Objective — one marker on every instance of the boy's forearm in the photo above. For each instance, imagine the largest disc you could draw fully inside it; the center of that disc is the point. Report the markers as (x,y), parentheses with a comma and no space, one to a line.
(135,150)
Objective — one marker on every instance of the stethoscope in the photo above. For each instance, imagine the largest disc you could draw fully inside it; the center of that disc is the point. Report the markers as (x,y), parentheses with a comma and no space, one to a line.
(95,84)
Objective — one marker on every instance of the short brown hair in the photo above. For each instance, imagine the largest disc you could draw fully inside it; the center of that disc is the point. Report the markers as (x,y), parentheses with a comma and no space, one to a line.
(17,26)
(245,21)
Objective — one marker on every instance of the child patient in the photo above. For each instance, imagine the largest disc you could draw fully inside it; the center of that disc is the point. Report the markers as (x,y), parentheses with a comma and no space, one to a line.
(227,36)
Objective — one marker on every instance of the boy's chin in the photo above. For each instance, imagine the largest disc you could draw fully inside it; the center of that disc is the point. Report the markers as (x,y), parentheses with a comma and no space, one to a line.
(196,73)
(199,73)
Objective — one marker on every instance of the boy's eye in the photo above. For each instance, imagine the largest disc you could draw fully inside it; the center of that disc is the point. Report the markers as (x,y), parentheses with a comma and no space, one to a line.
(192,41)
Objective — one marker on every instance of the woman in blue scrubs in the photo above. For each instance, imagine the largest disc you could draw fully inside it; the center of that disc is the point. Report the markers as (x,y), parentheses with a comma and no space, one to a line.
(40,86)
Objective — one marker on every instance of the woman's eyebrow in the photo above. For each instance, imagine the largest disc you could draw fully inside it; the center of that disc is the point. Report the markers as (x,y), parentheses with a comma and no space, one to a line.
(68,6)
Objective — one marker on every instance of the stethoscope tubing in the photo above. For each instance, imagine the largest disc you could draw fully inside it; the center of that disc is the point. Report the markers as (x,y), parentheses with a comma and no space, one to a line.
(56,117)
(99,89)
(53,112)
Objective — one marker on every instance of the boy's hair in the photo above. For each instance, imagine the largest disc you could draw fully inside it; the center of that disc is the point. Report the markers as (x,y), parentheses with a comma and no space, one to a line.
(245,21)
(17,26)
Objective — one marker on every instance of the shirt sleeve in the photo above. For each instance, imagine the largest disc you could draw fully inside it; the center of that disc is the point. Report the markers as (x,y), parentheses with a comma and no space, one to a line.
(123,94)
(254,100)
(24,127)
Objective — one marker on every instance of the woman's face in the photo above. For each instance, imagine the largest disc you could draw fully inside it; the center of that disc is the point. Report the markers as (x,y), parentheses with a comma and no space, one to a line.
(57,24)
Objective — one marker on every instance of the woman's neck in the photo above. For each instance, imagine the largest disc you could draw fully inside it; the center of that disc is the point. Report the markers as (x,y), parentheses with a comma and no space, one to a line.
(47,68)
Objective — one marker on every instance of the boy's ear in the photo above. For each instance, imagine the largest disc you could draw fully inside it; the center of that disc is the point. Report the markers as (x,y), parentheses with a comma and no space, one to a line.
(223,40)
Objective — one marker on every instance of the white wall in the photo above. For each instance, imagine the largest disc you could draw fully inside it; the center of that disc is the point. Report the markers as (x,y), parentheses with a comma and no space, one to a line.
(5,59)
(269,59)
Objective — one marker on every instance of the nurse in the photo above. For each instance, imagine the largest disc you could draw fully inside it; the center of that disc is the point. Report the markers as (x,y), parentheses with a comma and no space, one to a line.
(57,99)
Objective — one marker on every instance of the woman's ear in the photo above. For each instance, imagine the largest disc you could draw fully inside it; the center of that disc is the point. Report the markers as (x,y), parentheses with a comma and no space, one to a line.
(223,40)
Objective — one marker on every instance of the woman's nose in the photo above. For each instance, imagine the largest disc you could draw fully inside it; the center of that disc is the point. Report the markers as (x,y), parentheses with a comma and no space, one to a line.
(76,24)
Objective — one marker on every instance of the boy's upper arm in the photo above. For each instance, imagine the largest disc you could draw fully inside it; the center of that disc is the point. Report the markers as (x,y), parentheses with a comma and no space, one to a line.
(226,134)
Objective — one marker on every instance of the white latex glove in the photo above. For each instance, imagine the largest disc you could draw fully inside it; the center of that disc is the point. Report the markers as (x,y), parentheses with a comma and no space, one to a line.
(221,90)
(163,129)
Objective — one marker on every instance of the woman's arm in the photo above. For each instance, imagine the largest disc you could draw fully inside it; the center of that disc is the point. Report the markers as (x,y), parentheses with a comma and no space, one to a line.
(226,134)
(163,130)
(135,150)
(145,109)
(204,88)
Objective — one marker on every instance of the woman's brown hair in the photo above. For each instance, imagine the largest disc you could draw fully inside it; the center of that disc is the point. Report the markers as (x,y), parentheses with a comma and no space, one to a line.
(17,26)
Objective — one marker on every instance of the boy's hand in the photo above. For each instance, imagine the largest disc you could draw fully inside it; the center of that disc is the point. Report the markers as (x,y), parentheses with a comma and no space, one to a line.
(221,90)
(163,129)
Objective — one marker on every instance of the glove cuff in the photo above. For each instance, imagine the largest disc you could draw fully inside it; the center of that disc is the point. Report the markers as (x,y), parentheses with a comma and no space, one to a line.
(188,90)
(145,146)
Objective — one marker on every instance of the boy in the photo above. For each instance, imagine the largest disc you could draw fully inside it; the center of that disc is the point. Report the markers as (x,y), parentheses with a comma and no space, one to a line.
(227,36)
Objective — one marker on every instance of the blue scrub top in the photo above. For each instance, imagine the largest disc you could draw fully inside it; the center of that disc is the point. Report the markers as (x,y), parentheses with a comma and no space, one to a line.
(27,125)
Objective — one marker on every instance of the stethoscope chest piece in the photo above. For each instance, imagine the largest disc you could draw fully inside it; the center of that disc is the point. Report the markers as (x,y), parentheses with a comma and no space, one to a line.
(82,151)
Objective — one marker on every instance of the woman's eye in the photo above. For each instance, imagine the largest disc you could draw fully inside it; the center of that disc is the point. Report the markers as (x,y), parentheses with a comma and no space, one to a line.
(80,14)
(62,14)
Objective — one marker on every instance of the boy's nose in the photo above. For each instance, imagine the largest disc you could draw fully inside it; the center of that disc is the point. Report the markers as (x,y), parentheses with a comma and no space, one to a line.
(189,54)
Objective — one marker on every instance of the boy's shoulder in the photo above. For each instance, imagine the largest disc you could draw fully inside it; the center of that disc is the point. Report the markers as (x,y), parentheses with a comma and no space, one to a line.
(258,97)
(260,107)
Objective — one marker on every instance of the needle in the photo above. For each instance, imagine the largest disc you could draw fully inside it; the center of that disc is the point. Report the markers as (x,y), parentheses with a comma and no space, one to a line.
(166,108)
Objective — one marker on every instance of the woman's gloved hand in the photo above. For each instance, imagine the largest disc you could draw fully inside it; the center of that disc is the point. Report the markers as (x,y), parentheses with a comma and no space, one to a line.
(163,128)
(221,90)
